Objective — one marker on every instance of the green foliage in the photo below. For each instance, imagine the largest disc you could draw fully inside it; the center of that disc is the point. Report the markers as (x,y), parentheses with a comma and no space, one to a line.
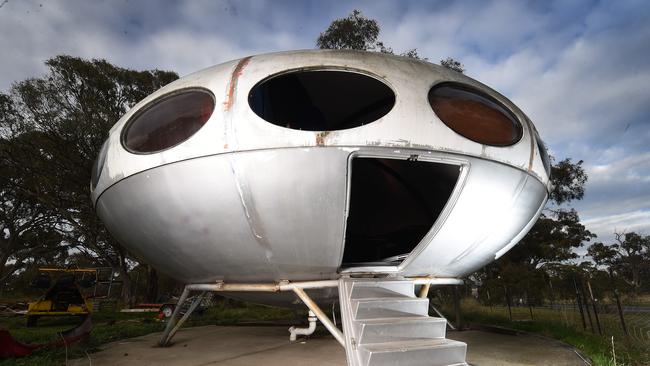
(548,322)
(50,132)
(452,64)
(30,229)
(568,180)
(356,32)
(110,327)
(119,327)
(628,258)
(552,239)
(539,266)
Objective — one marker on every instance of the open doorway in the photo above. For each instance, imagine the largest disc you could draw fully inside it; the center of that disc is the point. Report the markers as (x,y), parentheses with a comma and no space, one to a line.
(393,204)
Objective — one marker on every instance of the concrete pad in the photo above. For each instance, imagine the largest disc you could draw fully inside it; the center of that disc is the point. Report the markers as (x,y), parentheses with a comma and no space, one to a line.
(270,346)
(487,348)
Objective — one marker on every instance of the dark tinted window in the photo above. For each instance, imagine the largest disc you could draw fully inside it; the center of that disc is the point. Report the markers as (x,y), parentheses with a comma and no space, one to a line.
(168,121)
(321,100)
(474,115)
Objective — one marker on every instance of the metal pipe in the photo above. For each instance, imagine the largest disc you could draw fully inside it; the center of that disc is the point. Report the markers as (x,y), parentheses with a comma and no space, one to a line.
(320,315)
(236,287)
(289,286)
(306,285)
(295,331)
(297,287)
(164,340)
(435,281)
(262,287)
(424,291)
(442,316)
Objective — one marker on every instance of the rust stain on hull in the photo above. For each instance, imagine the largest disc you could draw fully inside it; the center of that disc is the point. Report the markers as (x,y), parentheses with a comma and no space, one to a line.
(320,138)
(232,85)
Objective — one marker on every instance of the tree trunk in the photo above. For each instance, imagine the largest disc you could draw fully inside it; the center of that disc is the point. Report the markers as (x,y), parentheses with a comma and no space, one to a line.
(505,290)
(152,285)
(126,282)
(457,308)
(636,282)
(3,260)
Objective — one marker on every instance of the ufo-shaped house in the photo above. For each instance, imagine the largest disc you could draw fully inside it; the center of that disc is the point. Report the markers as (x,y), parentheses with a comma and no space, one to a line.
(309,165)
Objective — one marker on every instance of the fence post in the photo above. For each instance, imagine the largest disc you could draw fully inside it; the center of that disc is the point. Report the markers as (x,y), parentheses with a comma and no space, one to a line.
(586,304)
(489,299)
(550,285)
(530,307)
(579,303)
(593,304)
(618,302)
(505,288)
(620,311)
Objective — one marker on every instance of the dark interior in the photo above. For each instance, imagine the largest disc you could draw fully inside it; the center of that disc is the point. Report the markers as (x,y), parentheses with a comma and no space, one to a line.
(393,204)
(324,100)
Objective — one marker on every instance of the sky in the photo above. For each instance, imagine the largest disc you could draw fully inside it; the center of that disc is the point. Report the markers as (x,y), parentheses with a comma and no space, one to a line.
(579,69)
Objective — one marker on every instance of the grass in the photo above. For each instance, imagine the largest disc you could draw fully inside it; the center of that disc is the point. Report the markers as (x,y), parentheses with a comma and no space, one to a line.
(109,327)
(560,325)
(563,325)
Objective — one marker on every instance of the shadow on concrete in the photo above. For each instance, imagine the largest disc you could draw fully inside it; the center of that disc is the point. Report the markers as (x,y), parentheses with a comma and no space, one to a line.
(270,346)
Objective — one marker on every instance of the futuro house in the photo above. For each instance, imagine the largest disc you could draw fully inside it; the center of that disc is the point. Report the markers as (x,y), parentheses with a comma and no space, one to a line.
(355,175)
(308,165)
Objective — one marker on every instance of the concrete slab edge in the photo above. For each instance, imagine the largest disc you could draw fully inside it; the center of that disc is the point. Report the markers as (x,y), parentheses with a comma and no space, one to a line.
(503,330)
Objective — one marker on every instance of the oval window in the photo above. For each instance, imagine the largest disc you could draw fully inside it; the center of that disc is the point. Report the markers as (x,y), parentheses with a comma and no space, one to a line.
(321,100)
(475,115)
(168,121)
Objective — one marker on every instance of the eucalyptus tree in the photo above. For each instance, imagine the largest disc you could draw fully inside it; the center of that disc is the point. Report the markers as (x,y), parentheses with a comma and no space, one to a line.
(356,32)
(58,123)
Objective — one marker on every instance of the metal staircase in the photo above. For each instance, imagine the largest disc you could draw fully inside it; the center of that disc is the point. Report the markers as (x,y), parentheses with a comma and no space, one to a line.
(384,323)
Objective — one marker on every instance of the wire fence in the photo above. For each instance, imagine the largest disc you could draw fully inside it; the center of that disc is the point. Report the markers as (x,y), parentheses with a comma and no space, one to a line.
(628,324)
(605,320)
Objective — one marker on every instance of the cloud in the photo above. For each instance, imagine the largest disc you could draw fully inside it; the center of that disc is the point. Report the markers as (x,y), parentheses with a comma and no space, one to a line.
(621,223)
(584,82)
(183,37)
(579,69)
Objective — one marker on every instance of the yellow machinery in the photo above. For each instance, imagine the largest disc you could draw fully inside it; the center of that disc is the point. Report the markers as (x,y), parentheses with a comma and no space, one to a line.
(64,295)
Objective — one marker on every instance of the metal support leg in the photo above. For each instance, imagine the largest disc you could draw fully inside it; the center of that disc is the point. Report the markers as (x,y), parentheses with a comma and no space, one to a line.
(187,314)
(424,291)
(164,340)
(451,326)
(320,315)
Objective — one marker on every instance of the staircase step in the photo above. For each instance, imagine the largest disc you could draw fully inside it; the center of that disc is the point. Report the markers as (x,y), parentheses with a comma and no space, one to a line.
(385,288)
(372,308)
(401,329)
(384,323)
(430,352)
(363,292)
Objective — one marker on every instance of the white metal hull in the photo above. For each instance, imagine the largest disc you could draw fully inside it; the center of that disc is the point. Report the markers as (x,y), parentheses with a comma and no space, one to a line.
(244,200)
(279,214)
